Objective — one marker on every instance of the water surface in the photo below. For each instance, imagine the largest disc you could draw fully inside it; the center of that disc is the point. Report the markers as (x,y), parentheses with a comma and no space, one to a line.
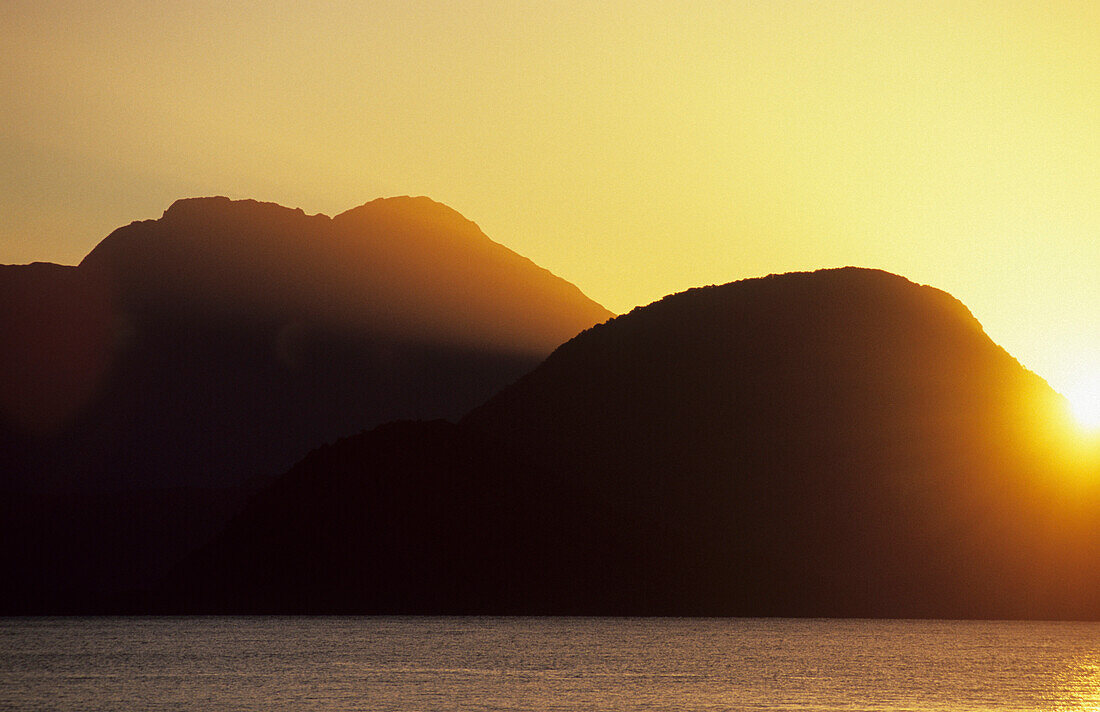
(406,664)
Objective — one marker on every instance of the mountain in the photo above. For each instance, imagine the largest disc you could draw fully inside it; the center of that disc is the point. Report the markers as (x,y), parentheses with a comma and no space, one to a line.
(444,514)
(836,443)
(209,350)
(227,338)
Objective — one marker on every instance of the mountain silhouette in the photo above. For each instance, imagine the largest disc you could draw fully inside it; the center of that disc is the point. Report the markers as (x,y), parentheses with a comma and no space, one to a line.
(212,348)
(227,338)
(836,443)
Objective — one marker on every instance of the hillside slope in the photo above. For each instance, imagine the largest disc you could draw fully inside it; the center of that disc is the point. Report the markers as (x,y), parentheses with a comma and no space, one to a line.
(837,443)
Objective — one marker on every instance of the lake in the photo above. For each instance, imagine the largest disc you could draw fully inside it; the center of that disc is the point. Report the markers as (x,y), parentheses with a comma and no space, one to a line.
(545,664)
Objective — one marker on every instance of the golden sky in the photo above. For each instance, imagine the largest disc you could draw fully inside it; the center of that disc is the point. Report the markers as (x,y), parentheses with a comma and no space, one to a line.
(633,148)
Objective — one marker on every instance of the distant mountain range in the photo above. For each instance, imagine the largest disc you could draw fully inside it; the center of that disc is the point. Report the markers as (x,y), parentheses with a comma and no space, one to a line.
(188,359)
(836,443)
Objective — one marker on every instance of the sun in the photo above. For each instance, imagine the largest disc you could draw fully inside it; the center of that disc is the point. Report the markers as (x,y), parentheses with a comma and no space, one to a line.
(1084,399)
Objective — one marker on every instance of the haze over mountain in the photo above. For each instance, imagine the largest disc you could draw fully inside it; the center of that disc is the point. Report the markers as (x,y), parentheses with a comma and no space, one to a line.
(837,443)
(223,341)
(227,338)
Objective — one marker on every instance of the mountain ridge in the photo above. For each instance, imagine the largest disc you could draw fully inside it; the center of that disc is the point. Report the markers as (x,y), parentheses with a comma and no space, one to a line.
(838,443)
(421,256)
(215,346)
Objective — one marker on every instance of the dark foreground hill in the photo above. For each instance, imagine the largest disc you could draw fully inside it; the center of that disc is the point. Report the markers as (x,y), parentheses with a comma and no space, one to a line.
(841,443)
(213,347)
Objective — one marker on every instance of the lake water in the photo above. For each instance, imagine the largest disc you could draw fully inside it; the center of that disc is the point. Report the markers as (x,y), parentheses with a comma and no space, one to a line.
(545,664)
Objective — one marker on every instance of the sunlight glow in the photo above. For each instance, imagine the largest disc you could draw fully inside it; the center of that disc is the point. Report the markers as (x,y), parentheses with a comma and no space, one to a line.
(1084,398)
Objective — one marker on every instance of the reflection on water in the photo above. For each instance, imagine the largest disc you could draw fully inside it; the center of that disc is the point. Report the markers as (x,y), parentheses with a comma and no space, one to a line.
(1078,687)
(546,664)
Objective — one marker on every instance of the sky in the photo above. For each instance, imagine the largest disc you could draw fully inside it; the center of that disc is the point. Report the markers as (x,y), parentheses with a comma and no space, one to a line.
(634,148)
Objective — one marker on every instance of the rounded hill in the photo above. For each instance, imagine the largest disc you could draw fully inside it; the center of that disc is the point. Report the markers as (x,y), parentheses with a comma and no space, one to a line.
(836,443)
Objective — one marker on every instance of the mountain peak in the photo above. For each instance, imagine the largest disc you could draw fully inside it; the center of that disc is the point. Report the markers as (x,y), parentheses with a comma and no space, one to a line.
(851,284)
(219,205)
(185,206)
(409,213)
(409,266)
(409,203)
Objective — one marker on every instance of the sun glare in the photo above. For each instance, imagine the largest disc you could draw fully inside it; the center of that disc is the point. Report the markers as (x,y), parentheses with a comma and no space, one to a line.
(1084,398)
